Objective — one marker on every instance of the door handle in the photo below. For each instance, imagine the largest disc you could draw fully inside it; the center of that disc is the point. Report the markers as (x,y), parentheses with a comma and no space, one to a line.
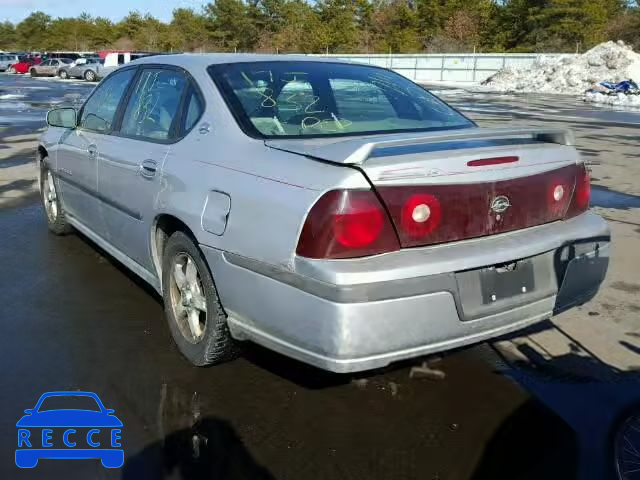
(148,168)
(92,150)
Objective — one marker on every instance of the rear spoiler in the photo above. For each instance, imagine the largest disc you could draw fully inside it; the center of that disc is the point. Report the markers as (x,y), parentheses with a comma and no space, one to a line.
(351,150)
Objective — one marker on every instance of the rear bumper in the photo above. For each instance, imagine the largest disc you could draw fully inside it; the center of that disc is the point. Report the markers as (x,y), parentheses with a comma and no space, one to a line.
(353,323)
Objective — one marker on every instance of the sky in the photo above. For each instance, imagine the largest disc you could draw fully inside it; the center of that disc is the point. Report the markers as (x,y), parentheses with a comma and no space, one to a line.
(17,10)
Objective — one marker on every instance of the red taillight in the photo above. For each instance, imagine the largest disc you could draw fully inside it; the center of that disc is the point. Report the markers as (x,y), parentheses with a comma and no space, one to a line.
(560,186)
(581,193)
(421,215)
(452,212)
(347,224)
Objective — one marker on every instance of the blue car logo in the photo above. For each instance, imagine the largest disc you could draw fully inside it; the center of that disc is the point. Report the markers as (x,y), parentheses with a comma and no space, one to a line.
(48,431)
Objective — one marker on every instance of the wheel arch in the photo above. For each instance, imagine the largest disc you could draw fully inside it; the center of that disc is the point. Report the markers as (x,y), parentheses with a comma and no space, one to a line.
(164,225)
(41,154)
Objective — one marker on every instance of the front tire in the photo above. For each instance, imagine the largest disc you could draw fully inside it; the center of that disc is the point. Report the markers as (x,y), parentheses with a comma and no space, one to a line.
(63,74)
(56,219)
(196,318)
(90,76)
(33,72)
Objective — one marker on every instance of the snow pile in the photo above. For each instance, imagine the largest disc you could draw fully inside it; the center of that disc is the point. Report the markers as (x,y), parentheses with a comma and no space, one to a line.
(618,99)
(571,74)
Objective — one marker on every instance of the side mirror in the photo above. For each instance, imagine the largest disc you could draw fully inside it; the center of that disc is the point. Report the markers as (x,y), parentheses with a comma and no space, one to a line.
(109,411)
(62,117)
(29,411)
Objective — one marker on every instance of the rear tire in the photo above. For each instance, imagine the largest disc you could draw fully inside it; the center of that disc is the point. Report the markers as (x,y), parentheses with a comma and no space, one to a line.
(63,74)
(33,72)
(90,76)
(56,219)
(188,287)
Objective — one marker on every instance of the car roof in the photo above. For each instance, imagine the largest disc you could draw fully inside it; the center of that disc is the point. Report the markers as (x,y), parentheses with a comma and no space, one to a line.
(203,60)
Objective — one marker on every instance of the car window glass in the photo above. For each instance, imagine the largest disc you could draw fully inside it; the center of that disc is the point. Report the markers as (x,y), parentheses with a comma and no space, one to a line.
(350,95)
(194,110)
(154,104)
(120,59)
(296,99)
(100,110)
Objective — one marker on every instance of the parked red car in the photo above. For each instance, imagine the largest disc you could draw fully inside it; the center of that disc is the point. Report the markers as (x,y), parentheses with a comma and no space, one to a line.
(23,65)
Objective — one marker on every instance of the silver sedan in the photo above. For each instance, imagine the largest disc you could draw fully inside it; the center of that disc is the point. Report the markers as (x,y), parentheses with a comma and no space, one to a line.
(336,213)
(49,68)
(80,68)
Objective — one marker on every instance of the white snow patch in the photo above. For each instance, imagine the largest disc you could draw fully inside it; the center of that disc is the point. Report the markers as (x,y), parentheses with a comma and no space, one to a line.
(571,74)
(619,99)
(11,96)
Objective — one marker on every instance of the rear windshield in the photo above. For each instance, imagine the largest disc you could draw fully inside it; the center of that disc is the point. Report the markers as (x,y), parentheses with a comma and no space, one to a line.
(314,99)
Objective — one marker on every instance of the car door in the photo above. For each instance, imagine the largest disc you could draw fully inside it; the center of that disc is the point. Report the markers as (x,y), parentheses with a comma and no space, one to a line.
(48,67)
(41,68)
(130,164)
(76,159)
(52,68)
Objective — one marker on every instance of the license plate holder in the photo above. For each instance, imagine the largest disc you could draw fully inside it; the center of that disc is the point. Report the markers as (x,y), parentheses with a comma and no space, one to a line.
(507,281)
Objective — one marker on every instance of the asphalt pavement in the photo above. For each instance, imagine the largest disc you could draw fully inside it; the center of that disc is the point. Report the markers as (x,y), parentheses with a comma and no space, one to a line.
(539,404)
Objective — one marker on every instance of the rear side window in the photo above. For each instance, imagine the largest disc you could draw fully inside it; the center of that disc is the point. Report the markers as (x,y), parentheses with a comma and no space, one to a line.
(153,107)
(193,112)
(100,110)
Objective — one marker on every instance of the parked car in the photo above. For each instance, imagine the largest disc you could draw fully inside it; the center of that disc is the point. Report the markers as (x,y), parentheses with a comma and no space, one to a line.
(49,68)
(71,55)
(7,61)
(91,70)
(334,212)
(112,61)
(24,64)
(79,68)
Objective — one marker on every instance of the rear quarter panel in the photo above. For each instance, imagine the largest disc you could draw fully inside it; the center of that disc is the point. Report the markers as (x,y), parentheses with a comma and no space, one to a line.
(270,194)
(270,191)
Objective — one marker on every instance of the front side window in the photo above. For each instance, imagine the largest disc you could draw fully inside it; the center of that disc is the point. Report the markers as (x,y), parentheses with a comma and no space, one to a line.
(100,110)
(154,105)
(309,99)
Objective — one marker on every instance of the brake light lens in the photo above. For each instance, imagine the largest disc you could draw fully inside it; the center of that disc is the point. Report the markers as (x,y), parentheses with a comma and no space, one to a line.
(581,193)
(421,214)
(484,162)
(347,224)
(432,214)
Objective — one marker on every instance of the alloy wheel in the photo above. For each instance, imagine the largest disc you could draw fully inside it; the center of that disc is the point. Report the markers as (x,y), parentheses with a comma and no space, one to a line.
(188,301)
(50,197)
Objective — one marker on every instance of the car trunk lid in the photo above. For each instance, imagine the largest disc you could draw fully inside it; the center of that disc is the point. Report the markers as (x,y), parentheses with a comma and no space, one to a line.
(452,185)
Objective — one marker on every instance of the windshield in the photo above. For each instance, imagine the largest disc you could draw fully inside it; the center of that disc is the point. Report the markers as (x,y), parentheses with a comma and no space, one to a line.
(66,60)
(307,99)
